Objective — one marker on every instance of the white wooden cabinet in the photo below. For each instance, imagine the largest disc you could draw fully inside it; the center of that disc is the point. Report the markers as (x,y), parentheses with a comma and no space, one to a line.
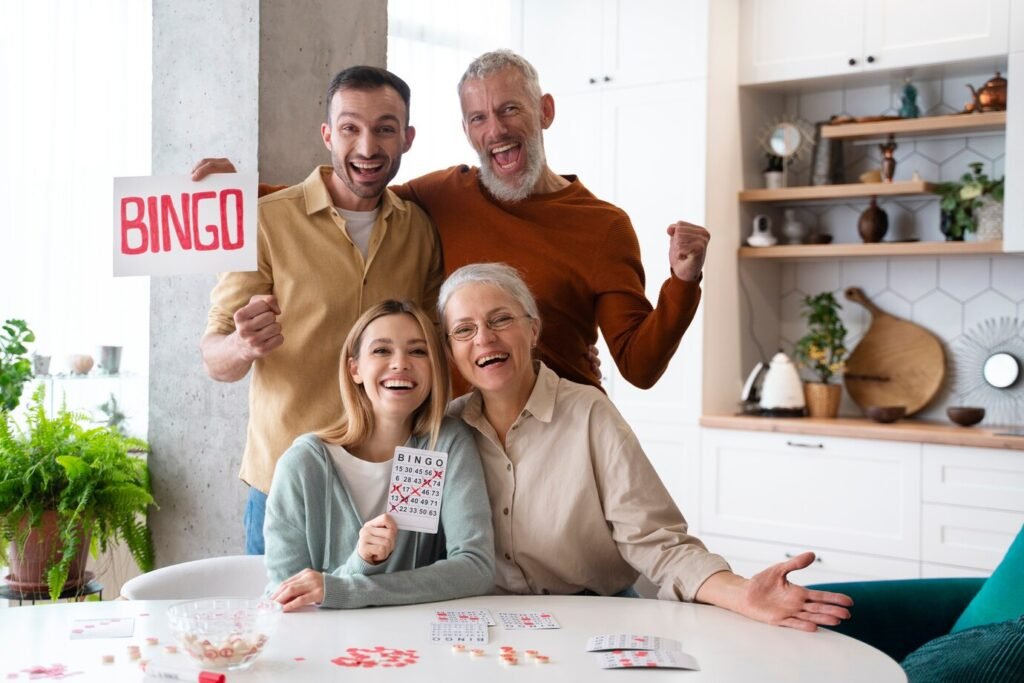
(870,509)
(787,40)
(844,494)
(973,505)
(584,45)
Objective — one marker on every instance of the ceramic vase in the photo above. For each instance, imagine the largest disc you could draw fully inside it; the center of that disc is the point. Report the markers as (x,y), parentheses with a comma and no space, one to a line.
(822,399)
(989,219)
(793,230)
(873,223)
(773,180)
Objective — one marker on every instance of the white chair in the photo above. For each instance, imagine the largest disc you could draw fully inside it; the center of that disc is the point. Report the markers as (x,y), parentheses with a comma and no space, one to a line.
(234,576)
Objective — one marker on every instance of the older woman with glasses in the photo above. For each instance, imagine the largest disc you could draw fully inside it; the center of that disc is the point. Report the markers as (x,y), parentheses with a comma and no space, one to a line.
(577,507)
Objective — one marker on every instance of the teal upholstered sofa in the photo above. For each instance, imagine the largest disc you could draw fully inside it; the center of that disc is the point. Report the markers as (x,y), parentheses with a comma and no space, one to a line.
(897,617)
(952,629)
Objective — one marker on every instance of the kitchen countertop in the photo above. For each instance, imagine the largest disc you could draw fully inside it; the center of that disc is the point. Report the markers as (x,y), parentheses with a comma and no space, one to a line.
(863,428)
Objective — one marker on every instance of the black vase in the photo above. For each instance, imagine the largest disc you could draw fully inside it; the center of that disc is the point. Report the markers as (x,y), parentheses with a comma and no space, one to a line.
(952,231)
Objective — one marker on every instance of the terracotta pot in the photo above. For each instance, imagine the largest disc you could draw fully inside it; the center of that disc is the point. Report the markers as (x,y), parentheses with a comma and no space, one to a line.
(822,399)
(42,548)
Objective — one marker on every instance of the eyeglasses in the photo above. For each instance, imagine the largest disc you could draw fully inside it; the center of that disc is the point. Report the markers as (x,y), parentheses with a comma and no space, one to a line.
(467,330)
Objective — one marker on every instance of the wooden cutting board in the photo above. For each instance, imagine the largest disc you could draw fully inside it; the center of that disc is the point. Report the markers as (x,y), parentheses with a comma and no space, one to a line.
(897,363)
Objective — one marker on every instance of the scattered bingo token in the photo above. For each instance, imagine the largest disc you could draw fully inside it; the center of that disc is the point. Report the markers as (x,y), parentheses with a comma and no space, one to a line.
(171,649)
(541,659)
(476,652)
(507,648)
(108,659)
(152,640)
(509,661)
(458,648)
(530,654)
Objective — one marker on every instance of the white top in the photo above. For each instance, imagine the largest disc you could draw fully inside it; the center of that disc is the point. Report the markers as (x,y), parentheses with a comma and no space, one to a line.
(366,482)
(359,225)
(727,647)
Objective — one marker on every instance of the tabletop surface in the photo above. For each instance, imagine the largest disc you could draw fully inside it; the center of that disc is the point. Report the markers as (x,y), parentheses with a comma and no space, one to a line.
(727,647)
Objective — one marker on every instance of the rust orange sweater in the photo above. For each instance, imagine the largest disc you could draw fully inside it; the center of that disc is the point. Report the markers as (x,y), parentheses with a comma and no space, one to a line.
(581,259)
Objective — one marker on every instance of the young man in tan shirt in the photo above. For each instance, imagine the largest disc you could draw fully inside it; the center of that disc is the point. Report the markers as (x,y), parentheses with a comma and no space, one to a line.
(328,248)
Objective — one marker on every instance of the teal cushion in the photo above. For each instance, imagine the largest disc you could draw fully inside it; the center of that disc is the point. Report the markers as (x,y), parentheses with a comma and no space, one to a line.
(1002,596)
(990,653)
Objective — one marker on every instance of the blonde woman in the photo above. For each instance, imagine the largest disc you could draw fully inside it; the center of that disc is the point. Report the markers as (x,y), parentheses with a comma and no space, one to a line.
(329,542)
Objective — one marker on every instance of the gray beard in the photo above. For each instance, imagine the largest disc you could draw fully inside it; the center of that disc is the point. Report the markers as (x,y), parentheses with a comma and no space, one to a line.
(506,192)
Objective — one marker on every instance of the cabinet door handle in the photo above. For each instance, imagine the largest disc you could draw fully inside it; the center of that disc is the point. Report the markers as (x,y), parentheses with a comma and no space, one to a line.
(871,60)
(607,79)
(790,556)
(797,444)
(593,80)
(852,62)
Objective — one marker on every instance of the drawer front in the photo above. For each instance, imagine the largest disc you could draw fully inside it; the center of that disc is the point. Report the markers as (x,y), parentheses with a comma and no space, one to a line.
(967,537)
(979,477)
(749,557)
(846,494)
(948,571)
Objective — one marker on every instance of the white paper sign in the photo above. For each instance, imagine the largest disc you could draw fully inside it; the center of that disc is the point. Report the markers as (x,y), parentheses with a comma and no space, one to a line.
(417,483)
(171,225)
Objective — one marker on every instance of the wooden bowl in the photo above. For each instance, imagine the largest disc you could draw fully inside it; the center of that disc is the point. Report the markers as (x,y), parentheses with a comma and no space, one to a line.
(965,416)
(886,414)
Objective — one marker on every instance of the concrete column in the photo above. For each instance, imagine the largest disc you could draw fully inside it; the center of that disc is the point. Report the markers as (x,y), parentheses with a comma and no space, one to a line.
(243,79)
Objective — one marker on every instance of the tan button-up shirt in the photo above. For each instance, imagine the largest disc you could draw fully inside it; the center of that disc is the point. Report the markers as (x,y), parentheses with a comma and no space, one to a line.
(575,502)
(322,284)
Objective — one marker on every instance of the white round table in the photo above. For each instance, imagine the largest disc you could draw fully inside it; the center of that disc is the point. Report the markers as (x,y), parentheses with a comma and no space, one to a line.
(727,647)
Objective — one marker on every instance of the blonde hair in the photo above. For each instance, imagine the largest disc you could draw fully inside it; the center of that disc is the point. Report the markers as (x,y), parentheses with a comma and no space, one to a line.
(356,425)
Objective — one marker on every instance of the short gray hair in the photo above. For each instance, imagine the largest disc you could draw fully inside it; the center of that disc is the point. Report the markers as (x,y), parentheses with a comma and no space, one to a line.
(504,277)
(493,62)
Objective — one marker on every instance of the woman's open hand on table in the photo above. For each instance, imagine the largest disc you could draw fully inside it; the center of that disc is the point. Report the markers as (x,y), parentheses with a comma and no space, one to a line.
(769,597)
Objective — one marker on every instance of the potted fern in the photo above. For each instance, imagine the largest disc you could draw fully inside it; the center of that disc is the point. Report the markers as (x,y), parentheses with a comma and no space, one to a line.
(66,489)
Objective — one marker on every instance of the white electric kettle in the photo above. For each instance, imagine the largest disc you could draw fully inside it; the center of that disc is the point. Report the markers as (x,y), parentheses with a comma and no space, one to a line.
(782,394)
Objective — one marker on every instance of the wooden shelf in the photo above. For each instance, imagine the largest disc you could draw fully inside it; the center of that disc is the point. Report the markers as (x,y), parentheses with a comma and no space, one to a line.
(925,125)
(846,191)
(827,251)
(918,431)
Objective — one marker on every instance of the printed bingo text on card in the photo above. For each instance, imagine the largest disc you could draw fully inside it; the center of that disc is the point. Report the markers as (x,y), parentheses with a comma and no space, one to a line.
(417,484)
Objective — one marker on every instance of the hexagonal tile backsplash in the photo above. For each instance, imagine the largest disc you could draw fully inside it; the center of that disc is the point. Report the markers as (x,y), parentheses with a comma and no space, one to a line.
(948,296)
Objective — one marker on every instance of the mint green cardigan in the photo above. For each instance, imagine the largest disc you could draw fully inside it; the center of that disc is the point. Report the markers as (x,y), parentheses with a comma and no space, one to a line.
(311,522)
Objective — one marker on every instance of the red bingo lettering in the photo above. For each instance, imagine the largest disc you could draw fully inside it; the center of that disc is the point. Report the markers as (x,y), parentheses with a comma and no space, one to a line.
(163,223)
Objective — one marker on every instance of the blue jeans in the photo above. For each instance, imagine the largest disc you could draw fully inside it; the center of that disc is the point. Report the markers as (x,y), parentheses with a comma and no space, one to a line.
(255,511)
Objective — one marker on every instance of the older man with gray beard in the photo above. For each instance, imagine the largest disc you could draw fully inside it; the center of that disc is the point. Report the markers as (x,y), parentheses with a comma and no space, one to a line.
(579,255)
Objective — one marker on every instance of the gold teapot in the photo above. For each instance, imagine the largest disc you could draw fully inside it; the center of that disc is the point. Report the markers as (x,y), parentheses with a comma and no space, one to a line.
(989,97)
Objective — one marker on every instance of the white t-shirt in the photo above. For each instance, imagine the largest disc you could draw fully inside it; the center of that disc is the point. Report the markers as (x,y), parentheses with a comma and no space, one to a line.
(366,482)
(359,225)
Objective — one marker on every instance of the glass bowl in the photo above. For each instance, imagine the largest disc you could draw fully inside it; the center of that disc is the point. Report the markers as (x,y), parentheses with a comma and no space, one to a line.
(224,634)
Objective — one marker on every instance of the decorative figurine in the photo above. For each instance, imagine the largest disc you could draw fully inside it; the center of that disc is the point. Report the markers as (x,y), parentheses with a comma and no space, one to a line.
(888,160)
(909,108)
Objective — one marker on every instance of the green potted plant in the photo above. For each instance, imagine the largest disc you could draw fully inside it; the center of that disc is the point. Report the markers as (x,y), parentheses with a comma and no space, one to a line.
(973,203)
(822,351)
(15,366)
(65,489)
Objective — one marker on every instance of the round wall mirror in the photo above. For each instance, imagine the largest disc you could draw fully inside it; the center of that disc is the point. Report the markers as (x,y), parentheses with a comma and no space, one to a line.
(1001,370)
(785,139)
